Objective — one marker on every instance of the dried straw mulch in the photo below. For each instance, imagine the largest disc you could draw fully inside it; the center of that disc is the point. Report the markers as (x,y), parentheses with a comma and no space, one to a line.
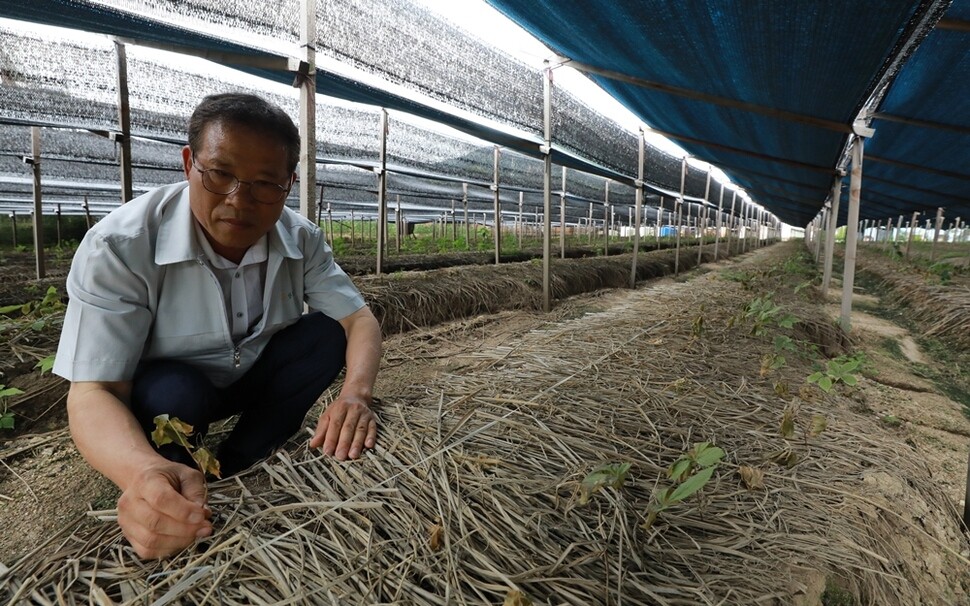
(403,301)
(472,493)
(941,310)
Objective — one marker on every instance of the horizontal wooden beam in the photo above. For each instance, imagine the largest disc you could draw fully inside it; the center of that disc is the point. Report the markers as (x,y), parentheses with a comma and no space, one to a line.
(925,169)
(955,25)
(953,128)
(264,61)
(787,162)
(708,98)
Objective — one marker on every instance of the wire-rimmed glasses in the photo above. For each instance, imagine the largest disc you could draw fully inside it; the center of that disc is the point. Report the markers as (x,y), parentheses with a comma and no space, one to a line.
(224,183)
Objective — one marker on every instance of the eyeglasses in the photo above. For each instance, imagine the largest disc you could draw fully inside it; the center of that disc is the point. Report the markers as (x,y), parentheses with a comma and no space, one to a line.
(224,183)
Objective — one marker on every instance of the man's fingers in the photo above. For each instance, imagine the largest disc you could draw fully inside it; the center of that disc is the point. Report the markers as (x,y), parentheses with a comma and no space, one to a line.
(153,534)
(364,436)
(334,426)
(181,497)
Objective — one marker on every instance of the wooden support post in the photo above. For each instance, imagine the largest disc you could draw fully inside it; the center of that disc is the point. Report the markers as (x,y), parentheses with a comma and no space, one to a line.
(330,223)
(381,194)
(497,203)
(590,231)
(307,83)
(124,122)
(13,225)
(562,216)
(353,230)
(848,272)
(912,230)
(521,196)
(547,188)
(833,219)
(87,212)
(717,223)
(731,222)
(606,220)
(660,217)
(454,226)
(679,210)
(702,223)
(58,226)
(638,211)
(936,233)
(398,224)
(468,225)
(38,208)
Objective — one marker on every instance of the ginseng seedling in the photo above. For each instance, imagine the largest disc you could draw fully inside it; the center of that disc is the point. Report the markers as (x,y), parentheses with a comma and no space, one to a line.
(175,431)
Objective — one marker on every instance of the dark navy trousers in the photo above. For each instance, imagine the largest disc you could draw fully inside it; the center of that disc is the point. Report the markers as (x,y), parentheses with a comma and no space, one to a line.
(272,399)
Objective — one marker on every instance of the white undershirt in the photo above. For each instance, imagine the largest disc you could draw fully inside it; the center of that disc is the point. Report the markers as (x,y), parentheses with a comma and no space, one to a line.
(242,284)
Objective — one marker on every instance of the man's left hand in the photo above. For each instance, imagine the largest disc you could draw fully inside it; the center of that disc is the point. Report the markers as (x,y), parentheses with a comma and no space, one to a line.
(345,428)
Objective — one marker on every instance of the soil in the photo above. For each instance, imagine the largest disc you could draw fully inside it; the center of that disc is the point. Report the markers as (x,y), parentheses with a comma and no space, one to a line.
(45,485)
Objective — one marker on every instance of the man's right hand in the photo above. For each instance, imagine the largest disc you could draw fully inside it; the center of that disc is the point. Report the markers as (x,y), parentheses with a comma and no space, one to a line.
(163,510)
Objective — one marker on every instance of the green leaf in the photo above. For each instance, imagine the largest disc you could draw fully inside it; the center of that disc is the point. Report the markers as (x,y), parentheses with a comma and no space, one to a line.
(9,391)
(680,469)
(7,420)
(850,380)
(815,376)
(709,455)
(692,485)
(825,383)
(609,474)
(6,309)
(45,365)
(38,325)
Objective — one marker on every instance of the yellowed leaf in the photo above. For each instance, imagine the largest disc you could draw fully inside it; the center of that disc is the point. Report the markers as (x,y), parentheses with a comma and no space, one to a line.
(788,423)
(753,477)
(207,462)
(819,424)
(516,598)
(437,534)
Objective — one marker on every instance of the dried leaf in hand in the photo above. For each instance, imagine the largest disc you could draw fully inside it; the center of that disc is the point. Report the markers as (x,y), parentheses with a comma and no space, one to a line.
(169,430)
(516,598)
(753,477)
(207,462)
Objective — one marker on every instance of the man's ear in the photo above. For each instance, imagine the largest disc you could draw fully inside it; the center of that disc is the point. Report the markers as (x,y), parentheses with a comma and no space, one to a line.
(187,161)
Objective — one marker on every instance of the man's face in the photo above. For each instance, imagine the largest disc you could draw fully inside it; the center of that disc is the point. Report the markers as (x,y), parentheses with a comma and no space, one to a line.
(234,222)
